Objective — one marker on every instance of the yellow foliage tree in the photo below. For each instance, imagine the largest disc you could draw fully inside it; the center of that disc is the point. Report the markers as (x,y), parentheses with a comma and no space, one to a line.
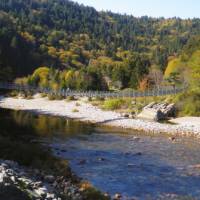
(42,72)
(52,52)
(40,76)
(174,65)
(28,37)
(194,65)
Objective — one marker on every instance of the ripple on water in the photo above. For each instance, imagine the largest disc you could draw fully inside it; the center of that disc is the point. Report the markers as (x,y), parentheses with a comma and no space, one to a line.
(151,167)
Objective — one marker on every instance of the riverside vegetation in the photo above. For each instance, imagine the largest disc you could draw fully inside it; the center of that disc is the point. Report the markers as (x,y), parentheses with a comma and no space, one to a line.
(127,106)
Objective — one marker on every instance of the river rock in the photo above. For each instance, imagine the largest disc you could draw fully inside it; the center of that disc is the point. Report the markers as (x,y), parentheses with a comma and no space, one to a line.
(10,163)
(42,192)
(125,115)
(37,184)
(49,178)
(101,159)
(131,165)
(172,139)
(136,139)
(4,165)
(195,166)
(13,179)
(117,196)
(157,111)
(106,195)
(3,177)
(50,196)
(138,154)
(43,187)
(82,162)
(127,153)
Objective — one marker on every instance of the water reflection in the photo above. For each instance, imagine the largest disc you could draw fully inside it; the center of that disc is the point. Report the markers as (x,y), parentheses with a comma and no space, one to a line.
(21,133)
(50,126)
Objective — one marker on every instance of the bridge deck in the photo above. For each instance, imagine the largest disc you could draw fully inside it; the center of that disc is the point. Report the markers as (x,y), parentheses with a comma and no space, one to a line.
(67,92)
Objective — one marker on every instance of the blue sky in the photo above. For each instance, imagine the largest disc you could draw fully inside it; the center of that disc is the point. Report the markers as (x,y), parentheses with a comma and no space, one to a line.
(154,8)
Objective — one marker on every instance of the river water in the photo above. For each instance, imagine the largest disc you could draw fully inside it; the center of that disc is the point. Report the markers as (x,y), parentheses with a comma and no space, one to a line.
(135,165)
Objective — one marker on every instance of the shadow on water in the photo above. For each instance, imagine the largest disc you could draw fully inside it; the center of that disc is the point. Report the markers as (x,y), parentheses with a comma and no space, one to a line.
(111,120)
(49,126)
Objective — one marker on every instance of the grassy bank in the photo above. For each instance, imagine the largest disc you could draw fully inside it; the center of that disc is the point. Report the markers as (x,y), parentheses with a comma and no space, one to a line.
(128,105)
(188,104)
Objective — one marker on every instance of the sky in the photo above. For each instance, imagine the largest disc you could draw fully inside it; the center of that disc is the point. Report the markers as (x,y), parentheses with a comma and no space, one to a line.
(154,8)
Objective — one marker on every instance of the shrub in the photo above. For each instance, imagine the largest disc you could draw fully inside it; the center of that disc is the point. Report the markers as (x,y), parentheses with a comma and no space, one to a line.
(13,93)
(59,97)
(77,104)
(71,98)
(90,193)
(89,98)
(113,104)
(188,104)
(29,97)
(96,103)
(44,95)
(51,97)
(100,99)
(54,97)
(75,110)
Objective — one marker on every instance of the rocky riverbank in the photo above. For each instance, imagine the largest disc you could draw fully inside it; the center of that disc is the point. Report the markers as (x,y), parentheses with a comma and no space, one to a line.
(83,111)
(29,183)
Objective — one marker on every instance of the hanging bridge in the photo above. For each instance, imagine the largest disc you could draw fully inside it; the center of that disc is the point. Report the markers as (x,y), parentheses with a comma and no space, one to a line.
(101,94)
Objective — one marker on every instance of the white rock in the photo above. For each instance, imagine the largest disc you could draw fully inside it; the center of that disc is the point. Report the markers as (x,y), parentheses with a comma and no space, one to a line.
(49,178)
(2,176)
(13,178)
(50,196)
(42,192)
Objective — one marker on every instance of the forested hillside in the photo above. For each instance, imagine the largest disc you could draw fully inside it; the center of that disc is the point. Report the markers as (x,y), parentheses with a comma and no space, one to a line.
(186,67)
(103,49)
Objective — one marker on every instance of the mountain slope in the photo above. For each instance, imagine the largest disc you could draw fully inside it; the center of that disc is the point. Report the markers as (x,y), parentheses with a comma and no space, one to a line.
(68,36)
(187,67)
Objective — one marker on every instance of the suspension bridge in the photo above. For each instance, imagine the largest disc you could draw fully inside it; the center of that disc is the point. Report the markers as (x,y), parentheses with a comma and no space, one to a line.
(101,94)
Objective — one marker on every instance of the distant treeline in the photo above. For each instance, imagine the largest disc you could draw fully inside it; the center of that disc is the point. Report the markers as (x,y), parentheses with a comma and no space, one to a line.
(94,50)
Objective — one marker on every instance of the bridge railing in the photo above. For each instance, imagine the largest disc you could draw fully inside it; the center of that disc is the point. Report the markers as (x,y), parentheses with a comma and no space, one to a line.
(103,94)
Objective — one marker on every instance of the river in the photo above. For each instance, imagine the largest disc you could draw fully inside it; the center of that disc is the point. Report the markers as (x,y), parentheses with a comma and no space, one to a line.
(132,164)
